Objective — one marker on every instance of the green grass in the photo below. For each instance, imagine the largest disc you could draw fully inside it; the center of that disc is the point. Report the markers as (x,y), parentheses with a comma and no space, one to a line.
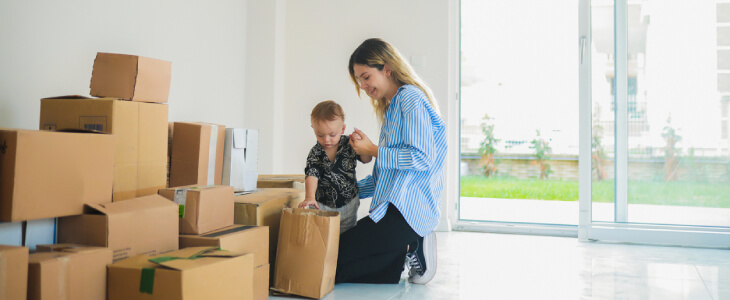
(640,192)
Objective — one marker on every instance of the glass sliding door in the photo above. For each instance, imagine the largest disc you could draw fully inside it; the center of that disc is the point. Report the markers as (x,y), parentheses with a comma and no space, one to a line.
(628,137)
(658,93)
(519,111)
(678,84)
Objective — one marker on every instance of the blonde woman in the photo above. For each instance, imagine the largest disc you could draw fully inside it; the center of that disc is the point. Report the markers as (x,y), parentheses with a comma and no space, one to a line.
(408,176)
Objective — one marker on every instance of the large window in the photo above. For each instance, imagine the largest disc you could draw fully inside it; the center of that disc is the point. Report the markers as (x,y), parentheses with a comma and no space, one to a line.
(519,111)
(626,137)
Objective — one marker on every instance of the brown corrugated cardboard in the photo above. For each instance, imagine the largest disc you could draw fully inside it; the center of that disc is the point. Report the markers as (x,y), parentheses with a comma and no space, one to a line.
(141,131)
(236,238)
(261,282)
(144,225)
(263,208)
(130,77)
(211,274)
(241,239)
(13,272)
(49,174)
(306,259)
(68,272)
(202,208)
(295,181)
(197,154)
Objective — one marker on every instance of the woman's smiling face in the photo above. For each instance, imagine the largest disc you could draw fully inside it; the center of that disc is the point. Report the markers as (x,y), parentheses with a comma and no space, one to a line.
(376,83)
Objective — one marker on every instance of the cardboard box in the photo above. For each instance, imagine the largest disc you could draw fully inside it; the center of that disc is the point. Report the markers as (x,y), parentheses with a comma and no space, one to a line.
(240,159)
(202,208)
(197,154)
(68,272)
(144,225)
(51,174)
(261,282)
(263,208)
(241,239)
(294,181)
(306,259)
(187,274)
(14,277)
(140,129)
(130,77)
(236,238)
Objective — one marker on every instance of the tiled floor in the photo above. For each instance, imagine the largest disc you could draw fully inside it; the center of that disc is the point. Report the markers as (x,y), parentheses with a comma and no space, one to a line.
(500,266)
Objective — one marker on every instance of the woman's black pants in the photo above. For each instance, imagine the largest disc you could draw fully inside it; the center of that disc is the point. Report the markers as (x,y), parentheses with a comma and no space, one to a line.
(375,252)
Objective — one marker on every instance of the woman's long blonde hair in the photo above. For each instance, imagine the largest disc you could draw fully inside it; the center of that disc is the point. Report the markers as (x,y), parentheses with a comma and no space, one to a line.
(377,53)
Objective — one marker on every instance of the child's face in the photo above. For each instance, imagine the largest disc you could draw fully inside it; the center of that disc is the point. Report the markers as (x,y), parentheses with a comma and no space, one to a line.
(328,133)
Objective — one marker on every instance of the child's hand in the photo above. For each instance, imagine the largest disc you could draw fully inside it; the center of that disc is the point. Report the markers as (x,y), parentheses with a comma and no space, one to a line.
(307,202)
(362,144)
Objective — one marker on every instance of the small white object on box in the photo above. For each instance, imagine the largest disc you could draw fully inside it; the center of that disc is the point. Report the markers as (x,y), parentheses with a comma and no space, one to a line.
(240,159)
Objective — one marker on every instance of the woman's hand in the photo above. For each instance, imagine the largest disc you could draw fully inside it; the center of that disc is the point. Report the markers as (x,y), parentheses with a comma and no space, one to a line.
(362,144)
(307,202)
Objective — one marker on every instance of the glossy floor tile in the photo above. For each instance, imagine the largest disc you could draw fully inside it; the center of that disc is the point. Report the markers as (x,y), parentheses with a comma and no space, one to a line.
(502,266)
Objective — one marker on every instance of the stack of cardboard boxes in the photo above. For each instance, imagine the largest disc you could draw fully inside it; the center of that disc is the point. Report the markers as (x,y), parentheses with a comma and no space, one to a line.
(109,203)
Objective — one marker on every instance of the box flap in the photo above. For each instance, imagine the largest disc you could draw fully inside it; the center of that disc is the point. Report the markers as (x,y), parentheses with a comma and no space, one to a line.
(227,231)
(239,138)
(131,205)
(95,209)
(265,195)
(192,257)
(67,97)
(63,248)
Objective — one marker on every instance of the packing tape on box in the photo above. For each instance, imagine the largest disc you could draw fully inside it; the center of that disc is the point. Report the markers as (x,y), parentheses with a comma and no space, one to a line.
(147,281)
(180,198)
(212,153)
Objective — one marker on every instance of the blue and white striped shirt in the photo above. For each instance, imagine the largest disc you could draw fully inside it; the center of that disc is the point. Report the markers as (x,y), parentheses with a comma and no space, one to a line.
(409,170)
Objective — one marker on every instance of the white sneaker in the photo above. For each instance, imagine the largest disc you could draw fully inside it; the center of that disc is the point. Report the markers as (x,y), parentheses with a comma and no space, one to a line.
(429,257)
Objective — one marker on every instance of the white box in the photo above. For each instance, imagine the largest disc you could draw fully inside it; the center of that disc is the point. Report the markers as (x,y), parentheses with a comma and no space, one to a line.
(240,159)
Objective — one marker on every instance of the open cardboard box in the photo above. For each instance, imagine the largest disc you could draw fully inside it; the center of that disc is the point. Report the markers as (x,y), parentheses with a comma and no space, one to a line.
(306,258)
(188,274)
(144,225)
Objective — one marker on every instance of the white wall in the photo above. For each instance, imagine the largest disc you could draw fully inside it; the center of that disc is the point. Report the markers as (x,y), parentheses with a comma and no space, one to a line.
(47,48)
(317,40)
(281,56)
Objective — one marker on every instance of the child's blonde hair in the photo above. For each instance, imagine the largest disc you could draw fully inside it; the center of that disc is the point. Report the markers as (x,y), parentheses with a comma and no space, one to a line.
(376,53)
(327,111)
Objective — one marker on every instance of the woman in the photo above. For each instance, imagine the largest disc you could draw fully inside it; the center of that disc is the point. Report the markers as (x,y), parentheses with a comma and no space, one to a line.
(408,176)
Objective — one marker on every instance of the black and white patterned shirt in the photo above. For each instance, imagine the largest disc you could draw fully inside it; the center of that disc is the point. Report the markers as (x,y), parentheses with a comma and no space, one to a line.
(337,183)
